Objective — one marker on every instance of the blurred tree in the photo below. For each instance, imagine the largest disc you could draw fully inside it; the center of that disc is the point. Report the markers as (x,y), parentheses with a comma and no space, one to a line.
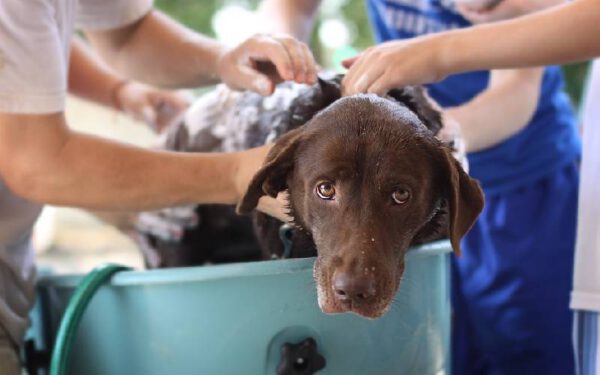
(575,76)
(195,14)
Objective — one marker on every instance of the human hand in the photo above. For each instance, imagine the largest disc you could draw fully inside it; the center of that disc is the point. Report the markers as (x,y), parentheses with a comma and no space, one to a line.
(157,108)
(505,9)
(248,164)
(395,64)
(262,61)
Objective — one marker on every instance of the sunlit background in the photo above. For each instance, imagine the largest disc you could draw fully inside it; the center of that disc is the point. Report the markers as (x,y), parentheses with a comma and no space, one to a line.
(70,240)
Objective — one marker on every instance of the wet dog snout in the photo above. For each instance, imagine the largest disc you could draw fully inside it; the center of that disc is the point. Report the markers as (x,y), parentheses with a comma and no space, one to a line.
(353,288)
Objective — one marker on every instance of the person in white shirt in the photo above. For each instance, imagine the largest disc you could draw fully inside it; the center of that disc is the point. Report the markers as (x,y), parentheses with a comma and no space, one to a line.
(585,299)
(43,161)
(563,34)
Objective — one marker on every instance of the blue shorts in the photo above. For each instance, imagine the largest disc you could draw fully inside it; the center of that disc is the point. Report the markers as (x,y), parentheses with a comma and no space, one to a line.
(586,337)
(511,286)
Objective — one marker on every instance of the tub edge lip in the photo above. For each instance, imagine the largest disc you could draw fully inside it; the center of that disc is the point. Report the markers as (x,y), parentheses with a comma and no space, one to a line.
(221,271)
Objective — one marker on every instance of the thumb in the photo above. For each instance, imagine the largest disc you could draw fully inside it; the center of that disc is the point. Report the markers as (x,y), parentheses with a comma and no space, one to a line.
(148,115)
(347,63)
(253,80)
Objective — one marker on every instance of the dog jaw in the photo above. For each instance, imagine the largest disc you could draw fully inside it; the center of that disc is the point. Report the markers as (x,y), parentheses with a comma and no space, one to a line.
(376,308)
(367,149)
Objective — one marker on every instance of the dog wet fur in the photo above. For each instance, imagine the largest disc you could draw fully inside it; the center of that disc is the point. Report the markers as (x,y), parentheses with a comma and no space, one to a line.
(366,178)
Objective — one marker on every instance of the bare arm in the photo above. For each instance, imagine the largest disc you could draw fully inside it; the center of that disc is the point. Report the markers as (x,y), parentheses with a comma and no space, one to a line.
(159,51)
(89,78)
(42,160)
(293,17)
(507,105)
(502,110)
(558,35)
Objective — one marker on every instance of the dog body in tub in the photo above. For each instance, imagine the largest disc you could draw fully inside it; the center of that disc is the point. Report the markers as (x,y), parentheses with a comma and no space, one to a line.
(366,178)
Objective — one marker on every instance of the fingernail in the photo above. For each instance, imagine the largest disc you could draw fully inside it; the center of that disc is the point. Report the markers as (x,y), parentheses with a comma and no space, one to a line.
(361,83)
(263,86)
(289,75)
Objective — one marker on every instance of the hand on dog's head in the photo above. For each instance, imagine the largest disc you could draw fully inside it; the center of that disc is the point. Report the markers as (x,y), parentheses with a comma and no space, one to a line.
(366,178)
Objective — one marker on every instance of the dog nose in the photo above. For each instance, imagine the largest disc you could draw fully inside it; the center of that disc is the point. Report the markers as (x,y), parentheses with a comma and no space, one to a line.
(353,288)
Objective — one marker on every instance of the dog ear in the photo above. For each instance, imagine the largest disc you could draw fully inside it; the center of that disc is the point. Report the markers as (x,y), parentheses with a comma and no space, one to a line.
(464,200)
(417,100)
(272,177)
(308,104)
(331,88)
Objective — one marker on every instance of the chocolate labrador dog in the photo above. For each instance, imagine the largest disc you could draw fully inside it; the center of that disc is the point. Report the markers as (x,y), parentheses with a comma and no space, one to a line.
(366,178)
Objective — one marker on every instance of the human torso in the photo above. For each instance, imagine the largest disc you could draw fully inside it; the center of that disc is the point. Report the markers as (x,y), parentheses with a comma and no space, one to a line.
(35,36)
(549,141)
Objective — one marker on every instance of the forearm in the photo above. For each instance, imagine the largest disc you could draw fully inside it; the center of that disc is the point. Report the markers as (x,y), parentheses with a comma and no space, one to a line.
(293,17)
(559,35)
(89,78)
(161,52)
(502,110)
(56,166)
(95,173)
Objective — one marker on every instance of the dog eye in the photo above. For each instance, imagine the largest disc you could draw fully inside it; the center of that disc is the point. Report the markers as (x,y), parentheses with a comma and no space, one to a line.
(325,190)
(401,196)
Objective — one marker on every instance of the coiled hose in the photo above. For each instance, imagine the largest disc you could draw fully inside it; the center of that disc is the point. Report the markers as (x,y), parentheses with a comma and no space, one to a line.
(67,332)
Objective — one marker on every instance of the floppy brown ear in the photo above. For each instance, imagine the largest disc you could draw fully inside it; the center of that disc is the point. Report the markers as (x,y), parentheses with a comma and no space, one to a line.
(465,200)
(272,177)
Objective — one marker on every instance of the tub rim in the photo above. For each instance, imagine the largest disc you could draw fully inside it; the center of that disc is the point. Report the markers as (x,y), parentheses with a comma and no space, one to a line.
(221,271)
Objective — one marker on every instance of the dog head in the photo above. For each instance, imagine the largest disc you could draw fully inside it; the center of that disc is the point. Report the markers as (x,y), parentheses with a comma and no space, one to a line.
(367,178)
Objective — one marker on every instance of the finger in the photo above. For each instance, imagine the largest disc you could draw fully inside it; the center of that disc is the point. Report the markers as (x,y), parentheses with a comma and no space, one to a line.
(168,107)
(311,74)
(276,207)
(364,73)
(270,49)
(352,75)
(174,100)
(381,86)
(358,67)
(347,63)
(148,115)
(294,51)
(255,81)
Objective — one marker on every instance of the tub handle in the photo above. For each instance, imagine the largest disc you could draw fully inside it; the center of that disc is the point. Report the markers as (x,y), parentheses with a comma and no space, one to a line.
(302,358)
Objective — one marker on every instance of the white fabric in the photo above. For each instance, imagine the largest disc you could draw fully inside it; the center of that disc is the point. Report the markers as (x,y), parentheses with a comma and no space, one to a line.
(34,51)
(17,268)
(586,293)
(34,47)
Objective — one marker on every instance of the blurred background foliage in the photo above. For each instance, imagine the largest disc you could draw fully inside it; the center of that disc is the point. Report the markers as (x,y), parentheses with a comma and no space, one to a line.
(341,30)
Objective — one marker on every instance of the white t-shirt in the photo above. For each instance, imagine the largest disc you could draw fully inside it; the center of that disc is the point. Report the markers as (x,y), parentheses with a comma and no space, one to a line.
(586,293)
(34,54)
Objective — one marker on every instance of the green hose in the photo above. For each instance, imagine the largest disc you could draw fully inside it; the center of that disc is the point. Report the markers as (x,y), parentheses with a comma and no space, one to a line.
(65,338)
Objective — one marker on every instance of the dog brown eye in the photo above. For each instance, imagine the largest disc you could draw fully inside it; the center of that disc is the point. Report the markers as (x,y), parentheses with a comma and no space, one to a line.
(326,190)
(400,196)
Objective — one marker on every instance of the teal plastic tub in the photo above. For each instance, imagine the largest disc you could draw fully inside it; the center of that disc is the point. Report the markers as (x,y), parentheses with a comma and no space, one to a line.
(234,319)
